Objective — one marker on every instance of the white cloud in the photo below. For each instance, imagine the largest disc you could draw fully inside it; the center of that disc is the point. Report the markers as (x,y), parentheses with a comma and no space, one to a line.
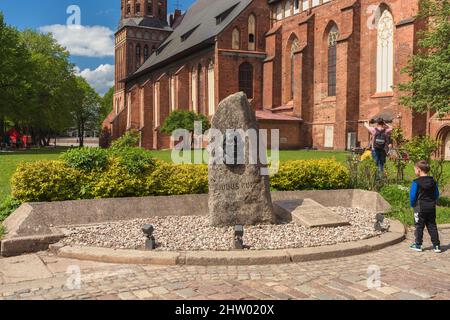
(101,79)
(86,41)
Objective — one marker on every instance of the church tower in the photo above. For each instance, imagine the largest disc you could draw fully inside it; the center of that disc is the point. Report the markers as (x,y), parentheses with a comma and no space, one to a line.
(142,28)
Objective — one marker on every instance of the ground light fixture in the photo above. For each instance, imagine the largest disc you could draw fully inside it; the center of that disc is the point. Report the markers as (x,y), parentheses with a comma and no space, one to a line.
(150,243)
(239,237)
(379,220)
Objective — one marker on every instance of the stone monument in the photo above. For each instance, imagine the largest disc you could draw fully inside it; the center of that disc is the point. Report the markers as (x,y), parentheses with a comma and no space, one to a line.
(238,192)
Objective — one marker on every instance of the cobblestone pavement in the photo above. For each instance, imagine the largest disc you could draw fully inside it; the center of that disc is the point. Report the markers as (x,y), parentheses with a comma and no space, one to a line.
(404,275)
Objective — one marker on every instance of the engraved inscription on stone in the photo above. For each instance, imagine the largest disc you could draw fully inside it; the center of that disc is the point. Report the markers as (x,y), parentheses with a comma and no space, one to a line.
(238,193)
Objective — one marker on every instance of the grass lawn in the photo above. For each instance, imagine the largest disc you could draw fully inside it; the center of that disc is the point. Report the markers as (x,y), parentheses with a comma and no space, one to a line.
(406,216)
(166,155)
(10,160)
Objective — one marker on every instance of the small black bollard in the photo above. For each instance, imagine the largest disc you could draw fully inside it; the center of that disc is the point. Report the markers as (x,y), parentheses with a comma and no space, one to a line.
(380,219)
(239,237)
(150,243)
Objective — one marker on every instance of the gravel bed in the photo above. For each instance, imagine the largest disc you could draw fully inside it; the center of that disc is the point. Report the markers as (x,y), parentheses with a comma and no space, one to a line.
(193,233)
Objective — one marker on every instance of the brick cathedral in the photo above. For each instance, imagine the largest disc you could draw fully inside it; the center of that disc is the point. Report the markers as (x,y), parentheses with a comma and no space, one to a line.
(314,69)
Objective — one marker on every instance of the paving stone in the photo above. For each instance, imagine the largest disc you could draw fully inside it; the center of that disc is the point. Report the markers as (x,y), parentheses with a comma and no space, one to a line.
(143,294)
(406,296)
(405,275)
(23,268)
(108,297)
(159,291)
(126,296)
(388,290)
(422,294)
(379,295)
(186,293)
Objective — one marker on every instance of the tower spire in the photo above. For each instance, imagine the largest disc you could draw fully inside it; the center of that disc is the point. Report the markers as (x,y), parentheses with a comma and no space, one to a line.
(177,5)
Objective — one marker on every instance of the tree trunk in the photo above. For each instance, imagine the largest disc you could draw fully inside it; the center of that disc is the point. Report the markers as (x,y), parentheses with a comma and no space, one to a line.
(34,137)
(81,134)
(2,126)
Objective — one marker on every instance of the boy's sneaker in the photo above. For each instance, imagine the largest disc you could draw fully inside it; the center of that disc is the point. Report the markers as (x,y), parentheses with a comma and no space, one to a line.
(416,247)
(437,249)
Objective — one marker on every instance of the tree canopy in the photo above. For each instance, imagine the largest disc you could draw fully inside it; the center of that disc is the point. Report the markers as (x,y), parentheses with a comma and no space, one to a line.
(85,110)
(182,119)
(429,69)
(39,91)
(107,104)
(15,63)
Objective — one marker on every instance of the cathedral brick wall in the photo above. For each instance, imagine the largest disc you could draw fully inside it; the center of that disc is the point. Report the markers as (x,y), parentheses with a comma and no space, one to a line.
(291,65)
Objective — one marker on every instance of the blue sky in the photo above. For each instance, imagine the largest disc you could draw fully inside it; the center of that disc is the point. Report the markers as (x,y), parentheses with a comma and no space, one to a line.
(91,47)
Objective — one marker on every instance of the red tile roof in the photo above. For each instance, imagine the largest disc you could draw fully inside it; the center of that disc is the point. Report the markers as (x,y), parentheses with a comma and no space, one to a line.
(268,115)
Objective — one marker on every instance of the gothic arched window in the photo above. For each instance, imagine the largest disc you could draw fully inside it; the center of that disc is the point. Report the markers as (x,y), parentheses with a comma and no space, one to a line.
(333,35)
(128,7)
(130,61)
(252,32)
(385,52)
(296,6)
(146,53)
(138,56)
(150,7)
(200,89)
(172,90)
(211,89)
(194,94)
(236,39)
(287,9)
(294,48)
(160,8)
(279,12)
(246,79)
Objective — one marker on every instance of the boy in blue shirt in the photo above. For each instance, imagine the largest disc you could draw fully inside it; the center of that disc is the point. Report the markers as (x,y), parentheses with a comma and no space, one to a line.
(423,197)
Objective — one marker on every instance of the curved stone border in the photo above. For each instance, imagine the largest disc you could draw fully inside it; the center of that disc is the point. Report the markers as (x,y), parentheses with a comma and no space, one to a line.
(35,226)
(395,235)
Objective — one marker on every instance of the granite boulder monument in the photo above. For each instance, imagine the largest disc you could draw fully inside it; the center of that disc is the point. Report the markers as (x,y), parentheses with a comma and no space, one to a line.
(239,192)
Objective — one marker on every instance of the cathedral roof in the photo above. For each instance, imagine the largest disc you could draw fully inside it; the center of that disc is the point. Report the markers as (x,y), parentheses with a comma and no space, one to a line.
(199,26)
(143,22)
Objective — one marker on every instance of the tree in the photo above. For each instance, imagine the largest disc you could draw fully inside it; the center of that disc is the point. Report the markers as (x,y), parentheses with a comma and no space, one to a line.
(429,69)
(15,79)
(39,92)
(182,119)
(106,104)
(86,107)
(49,100)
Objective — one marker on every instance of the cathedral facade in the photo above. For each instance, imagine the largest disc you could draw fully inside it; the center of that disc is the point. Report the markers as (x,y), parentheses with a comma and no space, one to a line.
(314,69)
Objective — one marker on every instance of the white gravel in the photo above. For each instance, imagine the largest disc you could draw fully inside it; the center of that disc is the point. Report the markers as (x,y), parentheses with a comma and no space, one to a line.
(193,233)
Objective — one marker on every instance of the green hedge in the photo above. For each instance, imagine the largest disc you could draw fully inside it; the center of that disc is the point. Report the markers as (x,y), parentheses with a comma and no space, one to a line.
(178,179)
(131,172)
(47,181)
(86,159)
(321,174)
